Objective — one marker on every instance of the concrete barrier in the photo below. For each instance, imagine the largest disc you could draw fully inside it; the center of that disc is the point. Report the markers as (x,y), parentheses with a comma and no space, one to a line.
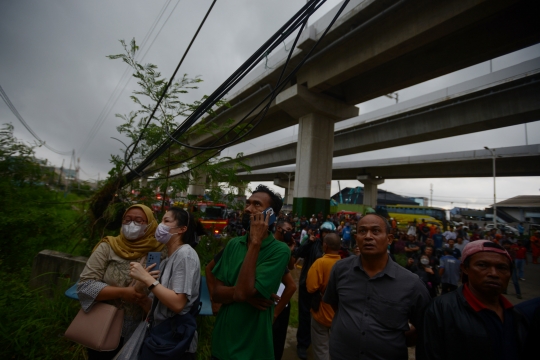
(56,270)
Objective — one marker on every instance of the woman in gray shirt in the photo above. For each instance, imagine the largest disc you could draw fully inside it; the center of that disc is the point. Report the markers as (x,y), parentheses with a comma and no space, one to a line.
(178,287)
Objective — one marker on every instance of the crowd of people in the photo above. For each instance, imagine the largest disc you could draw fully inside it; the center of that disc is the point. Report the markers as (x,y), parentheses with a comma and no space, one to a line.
(354,299)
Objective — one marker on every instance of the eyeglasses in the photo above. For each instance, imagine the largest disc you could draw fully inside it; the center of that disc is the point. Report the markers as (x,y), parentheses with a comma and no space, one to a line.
(137,220)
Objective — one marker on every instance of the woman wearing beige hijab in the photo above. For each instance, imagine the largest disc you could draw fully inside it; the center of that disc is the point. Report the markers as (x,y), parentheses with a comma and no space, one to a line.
(106,275)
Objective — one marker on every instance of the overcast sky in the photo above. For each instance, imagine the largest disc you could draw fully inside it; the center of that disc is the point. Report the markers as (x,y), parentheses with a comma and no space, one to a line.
(55,71)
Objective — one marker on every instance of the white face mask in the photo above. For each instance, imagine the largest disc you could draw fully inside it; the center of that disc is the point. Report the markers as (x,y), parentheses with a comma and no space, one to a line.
(133,231)
(162,233)
(424,261)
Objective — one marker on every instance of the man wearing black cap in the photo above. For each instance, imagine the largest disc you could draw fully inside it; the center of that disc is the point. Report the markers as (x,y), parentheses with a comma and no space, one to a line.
(476,321)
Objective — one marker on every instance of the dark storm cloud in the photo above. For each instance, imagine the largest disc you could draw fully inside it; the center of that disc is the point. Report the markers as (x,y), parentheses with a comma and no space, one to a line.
(56,74)
(53,66)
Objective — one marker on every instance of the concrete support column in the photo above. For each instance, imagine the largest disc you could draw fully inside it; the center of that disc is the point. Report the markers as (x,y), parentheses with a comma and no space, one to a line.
(317,114)
(241,190)
(370,189)
(313,177)
(197,184)
(287,185)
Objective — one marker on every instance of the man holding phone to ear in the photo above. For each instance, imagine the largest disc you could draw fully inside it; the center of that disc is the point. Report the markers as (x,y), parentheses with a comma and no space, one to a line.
(246,276)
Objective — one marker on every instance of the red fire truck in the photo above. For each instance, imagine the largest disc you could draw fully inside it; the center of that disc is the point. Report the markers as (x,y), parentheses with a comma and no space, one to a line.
(213,216)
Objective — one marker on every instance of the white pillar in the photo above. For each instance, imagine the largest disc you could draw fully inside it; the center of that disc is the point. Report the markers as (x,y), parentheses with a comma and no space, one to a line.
(197,184)
(144,181)
(370,189)
(286,184)
(313,176)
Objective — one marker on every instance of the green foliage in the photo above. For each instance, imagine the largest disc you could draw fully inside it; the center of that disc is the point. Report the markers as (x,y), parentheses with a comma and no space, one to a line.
(193,165)
(31,216)
(33,324)
(401,259)
(293,319)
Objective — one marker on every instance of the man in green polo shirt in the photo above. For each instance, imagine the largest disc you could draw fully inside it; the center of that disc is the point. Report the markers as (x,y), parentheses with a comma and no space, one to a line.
(247,274)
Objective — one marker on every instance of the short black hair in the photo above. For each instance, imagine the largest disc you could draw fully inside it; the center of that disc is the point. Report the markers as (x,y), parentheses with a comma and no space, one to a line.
(275,199)
(386,223)
(333,241)
(280,222)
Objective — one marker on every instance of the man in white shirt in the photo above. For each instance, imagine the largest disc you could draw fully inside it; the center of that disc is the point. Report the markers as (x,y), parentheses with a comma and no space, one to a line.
(450,234)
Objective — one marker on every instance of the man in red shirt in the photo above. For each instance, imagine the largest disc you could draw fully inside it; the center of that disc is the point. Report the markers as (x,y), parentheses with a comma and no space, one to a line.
(535,246)
(521,258)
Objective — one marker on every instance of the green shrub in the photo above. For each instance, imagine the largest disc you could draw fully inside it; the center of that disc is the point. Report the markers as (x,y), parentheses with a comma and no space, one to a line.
(33,325)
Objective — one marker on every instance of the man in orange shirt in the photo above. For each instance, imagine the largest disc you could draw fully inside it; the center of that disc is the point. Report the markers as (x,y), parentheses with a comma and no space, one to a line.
(535,246)
(316,281)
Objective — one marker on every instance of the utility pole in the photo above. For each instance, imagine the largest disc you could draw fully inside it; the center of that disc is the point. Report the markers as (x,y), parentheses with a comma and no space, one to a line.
(288,189)
(78,168)
(71,161)
(61,171)
(494,188)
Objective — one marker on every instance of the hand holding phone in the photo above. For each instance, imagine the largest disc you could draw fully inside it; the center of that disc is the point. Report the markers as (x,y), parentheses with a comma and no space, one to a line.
(153,257)
(270,212)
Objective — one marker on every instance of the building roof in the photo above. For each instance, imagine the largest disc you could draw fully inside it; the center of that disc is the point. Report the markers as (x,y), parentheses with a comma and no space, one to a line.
(521,201)
(356,196)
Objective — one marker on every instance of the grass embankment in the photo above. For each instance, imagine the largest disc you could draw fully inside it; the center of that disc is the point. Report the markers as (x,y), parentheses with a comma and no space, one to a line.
(33,218)
(32,323)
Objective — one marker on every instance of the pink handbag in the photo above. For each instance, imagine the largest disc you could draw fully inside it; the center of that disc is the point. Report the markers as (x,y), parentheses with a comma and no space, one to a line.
(99,329)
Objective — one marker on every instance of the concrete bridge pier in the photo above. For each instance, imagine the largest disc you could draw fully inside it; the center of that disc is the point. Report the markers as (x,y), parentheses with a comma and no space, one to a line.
(316,114)
(313,178)
(288,187)
(370,189)
(144,181)
(241,189)
(197,184)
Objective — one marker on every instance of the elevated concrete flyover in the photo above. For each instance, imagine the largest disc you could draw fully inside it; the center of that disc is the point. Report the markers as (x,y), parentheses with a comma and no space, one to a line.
(377,47)
(503,98)
(511,161)
(380,46)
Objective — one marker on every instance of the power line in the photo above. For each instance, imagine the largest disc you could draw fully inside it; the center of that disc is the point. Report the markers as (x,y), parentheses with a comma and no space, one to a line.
(159,32)
(109,105)
(164,91)
(290,26)
(10,105)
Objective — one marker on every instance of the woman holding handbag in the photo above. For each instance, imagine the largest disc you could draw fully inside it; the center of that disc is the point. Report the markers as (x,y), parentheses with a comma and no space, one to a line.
(105,277)
(176,293)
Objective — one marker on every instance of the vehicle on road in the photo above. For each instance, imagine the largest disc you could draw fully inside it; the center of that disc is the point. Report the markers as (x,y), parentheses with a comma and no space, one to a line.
(504,228)
(404,214)
(213,216)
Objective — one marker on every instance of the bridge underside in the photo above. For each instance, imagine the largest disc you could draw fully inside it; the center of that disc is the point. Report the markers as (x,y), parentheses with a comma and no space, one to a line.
(514,161)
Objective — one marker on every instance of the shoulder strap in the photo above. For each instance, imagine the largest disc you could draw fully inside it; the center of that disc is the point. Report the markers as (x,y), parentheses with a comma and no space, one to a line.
(155,301)
(197,305)
(195,308)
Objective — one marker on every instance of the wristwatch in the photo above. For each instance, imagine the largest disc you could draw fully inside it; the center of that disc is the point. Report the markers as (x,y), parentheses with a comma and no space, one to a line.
(154,284)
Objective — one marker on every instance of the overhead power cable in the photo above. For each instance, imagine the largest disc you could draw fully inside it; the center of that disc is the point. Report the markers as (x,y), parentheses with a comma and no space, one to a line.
(109,105)
(164,92)
(289,27)
(21,119)
(269,98)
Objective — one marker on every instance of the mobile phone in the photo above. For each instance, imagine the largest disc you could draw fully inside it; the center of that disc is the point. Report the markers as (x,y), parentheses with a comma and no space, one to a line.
(153,257)
(269,212)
